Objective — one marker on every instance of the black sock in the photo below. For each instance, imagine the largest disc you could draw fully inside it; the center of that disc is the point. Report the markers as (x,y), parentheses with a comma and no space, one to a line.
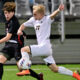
(1,70)
(34,74)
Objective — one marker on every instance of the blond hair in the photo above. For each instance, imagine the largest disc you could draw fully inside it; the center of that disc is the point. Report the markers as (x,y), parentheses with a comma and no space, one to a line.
(39,8)
(9,6)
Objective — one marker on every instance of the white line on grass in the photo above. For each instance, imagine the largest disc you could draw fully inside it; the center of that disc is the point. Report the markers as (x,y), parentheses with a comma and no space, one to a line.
(41,69)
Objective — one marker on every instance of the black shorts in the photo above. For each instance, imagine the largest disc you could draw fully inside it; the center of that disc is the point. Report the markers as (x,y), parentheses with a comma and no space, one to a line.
(11,50)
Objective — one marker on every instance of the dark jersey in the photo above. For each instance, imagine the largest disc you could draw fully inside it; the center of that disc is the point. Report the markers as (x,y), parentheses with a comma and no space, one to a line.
(11,49)
(12,27)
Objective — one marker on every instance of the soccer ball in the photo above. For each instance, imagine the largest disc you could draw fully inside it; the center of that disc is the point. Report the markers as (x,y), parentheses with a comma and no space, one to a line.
(24,63)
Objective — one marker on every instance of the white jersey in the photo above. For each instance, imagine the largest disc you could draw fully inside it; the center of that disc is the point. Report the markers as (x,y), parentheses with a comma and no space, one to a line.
(42,28)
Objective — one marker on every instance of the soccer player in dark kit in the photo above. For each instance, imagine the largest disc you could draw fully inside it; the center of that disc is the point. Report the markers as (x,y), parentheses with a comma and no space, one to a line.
(13,42)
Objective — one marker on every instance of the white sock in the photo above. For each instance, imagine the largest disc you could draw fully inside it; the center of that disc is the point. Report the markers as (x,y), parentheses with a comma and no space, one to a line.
(25,54)
(65,71)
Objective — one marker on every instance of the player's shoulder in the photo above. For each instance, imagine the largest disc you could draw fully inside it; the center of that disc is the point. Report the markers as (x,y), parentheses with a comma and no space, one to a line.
(14,20)
(48,16)
(32,19)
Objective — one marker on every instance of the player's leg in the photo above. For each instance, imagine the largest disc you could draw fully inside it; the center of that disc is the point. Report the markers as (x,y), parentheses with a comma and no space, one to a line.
(36,50)
(5,54)
(25,51)
(62,70)
(36,75)
(17,56)
(31,73)
(2,61)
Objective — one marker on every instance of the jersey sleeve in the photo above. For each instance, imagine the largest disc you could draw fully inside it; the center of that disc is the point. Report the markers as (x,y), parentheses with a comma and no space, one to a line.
(49,19)
(29,23)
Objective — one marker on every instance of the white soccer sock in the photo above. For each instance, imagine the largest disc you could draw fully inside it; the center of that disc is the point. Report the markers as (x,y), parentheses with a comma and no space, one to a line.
(25,54)
(65,71)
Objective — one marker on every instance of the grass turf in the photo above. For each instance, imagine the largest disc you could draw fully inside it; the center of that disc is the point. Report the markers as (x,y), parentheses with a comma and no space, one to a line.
(10,72)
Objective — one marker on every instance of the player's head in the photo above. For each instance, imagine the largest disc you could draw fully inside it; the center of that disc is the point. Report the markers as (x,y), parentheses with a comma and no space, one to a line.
(38,11)
(9,10)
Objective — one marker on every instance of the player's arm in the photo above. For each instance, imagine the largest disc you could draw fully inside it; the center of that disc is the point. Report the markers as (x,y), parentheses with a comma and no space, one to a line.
(6,38)
(61,7)
(25,24)
(20,30)
(24,34)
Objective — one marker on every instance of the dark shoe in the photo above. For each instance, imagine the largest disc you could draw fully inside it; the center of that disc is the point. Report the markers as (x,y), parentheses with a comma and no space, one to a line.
(41,76)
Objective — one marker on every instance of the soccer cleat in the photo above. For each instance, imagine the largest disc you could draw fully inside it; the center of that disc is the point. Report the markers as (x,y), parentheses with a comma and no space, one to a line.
(41,76)
(24,72)
(76,75)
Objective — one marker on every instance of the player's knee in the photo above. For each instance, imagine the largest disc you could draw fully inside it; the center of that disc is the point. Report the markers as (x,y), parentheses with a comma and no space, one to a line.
(53,67)
(2,59)
(22,49)
(25,49)
(55,70)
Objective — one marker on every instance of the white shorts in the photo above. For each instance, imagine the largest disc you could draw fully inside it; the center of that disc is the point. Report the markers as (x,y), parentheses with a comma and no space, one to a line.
(43,50)
(49,59)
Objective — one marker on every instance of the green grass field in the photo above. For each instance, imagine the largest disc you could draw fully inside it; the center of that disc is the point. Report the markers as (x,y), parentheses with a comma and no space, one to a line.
(10,72)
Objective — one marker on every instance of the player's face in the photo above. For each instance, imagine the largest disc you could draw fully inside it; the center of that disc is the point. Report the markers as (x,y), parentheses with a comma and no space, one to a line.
(37,15)
(8,15)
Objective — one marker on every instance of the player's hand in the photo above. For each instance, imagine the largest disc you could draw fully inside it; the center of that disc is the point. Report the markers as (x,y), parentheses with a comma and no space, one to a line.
(61,7)
(20,32)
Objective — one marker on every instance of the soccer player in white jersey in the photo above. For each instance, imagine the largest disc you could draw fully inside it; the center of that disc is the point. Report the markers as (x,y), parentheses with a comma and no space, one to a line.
(42,26)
